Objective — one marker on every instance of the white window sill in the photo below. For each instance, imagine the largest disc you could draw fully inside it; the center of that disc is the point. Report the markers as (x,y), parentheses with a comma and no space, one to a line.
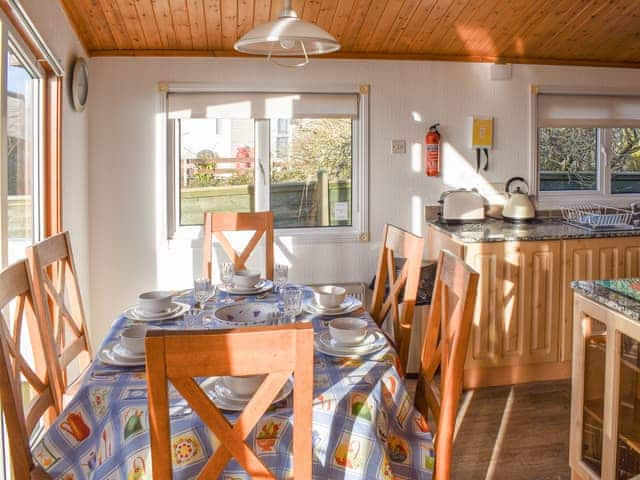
(192,235)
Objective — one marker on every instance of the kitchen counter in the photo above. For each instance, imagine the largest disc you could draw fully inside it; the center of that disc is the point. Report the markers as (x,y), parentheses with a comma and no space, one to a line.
(500,231)
(619,303)
(522,329)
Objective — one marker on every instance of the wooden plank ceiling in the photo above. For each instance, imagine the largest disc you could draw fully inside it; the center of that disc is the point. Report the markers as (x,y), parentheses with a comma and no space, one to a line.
(574,32)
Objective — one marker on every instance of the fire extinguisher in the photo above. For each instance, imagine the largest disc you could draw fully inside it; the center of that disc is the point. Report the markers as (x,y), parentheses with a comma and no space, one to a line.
(432,140)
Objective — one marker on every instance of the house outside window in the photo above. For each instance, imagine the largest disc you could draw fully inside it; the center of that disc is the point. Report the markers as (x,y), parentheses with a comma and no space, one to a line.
(299,155)
(589,146)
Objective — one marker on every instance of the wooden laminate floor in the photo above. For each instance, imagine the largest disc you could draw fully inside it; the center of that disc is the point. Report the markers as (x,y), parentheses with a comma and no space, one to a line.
(513,433)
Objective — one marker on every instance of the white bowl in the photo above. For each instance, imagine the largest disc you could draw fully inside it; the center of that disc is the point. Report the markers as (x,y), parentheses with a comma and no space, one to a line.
(244,386)
(132,338)
(154,302)
(329,296)
(348,330)
(243,314)
(246,278)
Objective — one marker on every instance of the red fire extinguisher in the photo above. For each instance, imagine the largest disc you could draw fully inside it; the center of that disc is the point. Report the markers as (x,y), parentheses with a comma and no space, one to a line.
(432,140)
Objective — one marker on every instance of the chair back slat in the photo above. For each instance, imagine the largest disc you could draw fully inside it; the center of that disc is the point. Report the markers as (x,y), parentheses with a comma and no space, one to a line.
(444,350)
(216,224)
(398,243)
(57,295)
(22,415)
(276,352)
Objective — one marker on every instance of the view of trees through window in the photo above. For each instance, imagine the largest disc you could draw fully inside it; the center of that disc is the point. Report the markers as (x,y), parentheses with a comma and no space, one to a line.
(569,158)
(309,169)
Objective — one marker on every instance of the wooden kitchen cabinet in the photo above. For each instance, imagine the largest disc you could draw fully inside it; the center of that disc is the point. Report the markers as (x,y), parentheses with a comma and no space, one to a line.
(593,259)
(517,312)
(522,329)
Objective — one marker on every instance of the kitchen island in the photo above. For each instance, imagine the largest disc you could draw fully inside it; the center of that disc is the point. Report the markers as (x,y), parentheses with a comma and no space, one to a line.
(523,321)
(605,390)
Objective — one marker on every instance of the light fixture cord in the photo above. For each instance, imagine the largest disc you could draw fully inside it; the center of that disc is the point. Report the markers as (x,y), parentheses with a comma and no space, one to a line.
(288,65)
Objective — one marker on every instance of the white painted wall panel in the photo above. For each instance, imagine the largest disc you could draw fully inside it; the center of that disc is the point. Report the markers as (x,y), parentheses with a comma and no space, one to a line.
(128,251)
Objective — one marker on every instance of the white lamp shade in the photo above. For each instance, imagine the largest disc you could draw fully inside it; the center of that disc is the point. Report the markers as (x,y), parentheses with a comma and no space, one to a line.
(284,38)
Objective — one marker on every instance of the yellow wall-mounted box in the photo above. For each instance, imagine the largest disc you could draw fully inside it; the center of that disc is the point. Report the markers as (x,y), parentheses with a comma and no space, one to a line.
(481,132)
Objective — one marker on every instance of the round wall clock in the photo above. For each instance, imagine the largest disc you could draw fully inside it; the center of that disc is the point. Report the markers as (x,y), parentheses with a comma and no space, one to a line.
(80,85)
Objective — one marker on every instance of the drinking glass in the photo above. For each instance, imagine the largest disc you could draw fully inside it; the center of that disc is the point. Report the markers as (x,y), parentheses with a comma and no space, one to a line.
(202,291)
(226,275)
(192,320)
(281,276)
(292,300)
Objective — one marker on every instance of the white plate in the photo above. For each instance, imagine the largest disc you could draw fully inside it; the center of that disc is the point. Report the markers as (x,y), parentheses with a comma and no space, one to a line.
(348,302)
(314,309)
(170,311)
(177,311)
(226,400)
(122,352)
(374,342)
(108,357)
(261,287)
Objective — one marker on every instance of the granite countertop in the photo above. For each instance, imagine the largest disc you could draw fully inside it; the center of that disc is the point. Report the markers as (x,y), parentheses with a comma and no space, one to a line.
(615,301)
(493,230)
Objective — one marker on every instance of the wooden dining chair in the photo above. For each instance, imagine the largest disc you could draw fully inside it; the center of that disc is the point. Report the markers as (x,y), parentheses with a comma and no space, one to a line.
(23,415)
(215,224)
(444,351)
(276,352)
(59,304)
(398,243)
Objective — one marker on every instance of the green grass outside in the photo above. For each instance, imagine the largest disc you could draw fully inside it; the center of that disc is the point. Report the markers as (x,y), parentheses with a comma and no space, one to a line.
(239,198)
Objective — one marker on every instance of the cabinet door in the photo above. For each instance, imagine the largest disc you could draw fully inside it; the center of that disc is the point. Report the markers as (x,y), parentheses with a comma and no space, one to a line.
(488,261)
(594,259)
(542,283)
(518,310)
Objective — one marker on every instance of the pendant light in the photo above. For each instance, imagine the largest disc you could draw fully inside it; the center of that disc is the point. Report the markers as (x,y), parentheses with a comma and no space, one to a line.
(288,36)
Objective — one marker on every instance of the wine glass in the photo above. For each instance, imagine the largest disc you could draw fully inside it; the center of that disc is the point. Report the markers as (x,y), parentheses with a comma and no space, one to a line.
(281,275)
(292,300)
(202,291)
(226,275)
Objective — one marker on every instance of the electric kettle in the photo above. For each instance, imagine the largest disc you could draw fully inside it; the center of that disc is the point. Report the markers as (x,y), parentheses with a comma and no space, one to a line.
(517,205)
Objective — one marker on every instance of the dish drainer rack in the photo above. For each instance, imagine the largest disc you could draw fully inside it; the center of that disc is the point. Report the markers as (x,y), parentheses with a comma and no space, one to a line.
(598,217)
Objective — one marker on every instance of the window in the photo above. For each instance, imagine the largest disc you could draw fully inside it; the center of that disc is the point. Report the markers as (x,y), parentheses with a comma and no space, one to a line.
(588,145)
(23,153)
(300,155)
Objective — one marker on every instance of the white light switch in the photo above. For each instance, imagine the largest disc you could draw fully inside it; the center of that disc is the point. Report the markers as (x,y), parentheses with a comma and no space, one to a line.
(398,146)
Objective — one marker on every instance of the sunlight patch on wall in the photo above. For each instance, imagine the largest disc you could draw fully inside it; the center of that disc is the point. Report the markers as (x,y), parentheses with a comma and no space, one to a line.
(416,214)
(416,157)
(458,172)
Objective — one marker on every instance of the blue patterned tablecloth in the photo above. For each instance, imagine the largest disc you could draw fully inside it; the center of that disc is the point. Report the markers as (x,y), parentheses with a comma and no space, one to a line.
(364,424)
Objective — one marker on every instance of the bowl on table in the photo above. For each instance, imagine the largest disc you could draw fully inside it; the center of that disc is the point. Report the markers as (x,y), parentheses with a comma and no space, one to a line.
(244,386)
(348,330)
(132,338)
(329,296)
(246,278)
(244,314)
(155,302)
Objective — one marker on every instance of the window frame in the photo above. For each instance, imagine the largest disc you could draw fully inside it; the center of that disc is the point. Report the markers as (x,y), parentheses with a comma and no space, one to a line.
(559,198)
(12,42)
(359,229)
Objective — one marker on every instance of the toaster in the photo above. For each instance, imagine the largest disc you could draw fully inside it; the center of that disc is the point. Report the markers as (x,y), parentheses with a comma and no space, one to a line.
(462,206)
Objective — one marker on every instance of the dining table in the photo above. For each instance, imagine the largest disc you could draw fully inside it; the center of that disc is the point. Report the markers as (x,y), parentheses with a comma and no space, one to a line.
(364,423)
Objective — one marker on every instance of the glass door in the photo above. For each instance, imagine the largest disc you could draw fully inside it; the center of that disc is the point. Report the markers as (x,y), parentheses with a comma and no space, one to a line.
(594,378)
(628,441)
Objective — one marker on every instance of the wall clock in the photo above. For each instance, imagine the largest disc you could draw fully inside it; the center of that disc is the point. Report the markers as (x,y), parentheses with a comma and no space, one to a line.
(80,85)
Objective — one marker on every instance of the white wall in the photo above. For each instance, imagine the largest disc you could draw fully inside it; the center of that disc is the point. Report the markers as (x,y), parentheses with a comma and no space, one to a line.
(56,30)
(129,253)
